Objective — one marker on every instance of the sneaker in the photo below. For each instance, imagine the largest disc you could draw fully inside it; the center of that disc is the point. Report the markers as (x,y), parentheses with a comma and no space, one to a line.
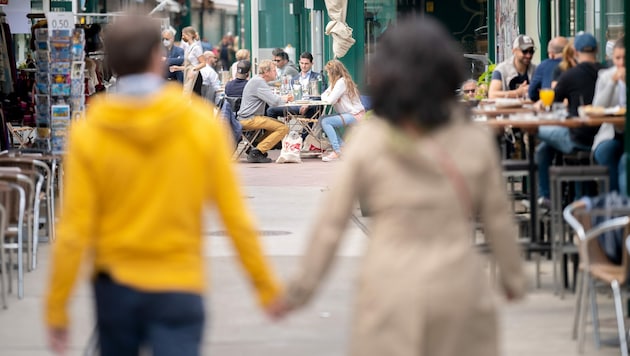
(255,156)
(332,156)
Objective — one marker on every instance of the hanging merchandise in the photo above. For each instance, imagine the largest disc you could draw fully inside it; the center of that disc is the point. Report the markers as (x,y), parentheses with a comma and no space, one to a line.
(60,86)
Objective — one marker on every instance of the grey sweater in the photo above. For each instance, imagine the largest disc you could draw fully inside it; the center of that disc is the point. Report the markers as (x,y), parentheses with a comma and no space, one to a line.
(255,94)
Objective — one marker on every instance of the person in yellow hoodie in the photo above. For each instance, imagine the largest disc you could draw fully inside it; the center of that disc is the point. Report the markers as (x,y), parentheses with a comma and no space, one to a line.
(139,171)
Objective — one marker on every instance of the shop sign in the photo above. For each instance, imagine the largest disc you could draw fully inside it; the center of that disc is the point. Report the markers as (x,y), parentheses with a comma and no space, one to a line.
(60,5)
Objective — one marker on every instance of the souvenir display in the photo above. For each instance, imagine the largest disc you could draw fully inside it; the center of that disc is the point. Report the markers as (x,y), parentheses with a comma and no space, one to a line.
(60,84)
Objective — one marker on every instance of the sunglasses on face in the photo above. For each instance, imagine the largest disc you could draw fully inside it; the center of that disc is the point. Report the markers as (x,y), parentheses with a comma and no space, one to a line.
(528,51)
(468,90)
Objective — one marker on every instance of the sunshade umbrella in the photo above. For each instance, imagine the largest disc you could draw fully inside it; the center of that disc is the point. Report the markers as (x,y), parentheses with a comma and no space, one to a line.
(338,28)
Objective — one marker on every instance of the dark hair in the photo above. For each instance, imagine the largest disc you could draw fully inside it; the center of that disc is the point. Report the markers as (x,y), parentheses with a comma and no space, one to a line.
(130,42)
(307,55)
(415,73)
(620,43)
(282,55)
(276,51)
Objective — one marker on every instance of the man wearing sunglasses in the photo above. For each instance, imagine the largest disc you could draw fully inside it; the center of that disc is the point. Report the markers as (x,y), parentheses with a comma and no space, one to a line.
(511,78)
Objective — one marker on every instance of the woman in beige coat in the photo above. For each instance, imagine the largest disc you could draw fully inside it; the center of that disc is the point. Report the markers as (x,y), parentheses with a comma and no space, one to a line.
(422,170)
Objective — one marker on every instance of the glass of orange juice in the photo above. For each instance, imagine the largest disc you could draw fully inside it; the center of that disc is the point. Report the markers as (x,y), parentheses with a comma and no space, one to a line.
(547,96)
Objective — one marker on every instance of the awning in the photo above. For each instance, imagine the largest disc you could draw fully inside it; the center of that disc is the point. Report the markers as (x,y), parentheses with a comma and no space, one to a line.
(338,28)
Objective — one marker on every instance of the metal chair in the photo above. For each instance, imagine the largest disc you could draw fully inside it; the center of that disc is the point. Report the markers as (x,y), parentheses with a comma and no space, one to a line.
(558,175)
(32,182)
(248,137)
(13,198)
(48,198)
(596,267)
(4,266)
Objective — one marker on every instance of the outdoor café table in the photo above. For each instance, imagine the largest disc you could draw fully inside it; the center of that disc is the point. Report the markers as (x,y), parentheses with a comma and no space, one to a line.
(310,124)
(530,125)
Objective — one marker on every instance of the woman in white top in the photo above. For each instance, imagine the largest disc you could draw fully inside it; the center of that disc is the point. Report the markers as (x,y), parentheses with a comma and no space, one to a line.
(194,60)
(344,95)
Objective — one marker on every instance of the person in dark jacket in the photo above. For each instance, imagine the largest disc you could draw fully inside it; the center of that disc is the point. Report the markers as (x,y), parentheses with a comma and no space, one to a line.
(174,56)
(577,86)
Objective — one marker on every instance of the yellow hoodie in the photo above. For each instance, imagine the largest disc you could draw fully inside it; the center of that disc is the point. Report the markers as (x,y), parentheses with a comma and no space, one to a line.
(137,176)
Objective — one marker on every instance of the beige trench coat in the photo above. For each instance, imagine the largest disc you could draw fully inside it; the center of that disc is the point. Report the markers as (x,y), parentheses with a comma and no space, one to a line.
(422,287)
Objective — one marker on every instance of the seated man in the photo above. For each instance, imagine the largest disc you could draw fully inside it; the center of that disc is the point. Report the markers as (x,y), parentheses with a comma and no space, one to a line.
(577,86)
(234,88)
(304,77)
(284,67)
(511,77)
(255,95)
(469,89)
(210,78)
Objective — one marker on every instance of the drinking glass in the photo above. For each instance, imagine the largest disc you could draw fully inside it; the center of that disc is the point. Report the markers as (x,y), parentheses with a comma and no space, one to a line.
(547,96)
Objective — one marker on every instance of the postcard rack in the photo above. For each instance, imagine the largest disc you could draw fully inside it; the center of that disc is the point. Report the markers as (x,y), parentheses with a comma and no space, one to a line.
(59,83)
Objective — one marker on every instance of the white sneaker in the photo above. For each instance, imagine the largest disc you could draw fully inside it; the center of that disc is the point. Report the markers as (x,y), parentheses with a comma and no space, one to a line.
(332,156)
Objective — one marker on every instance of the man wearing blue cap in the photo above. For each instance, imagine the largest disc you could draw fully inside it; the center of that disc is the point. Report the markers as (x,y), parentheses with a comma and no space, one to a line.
(577,86)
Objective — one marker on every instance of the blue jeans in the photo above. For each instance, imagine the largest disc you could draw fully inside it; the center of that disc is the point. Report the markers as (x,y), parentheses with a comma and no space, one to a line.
(169,323)
(329,123)
(553,138)
(608,153)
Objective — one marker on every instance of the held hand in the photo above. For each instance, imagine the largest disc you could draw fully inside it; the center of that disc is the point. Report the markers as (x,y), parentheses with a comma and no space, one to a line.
(58,340)
(172,69)
(522,89)
(277,309)
(620,74)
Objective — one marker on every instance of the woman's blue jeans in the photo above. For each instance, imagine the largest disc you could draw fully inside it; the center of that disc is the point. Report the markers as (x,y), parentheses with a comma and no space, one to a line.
(330,122)
(608,153)
(169,323)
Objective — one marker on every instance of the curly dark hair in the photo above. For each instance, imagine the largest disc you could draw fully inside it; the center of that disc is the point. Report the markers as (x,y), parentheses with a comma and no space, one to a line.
(415,72)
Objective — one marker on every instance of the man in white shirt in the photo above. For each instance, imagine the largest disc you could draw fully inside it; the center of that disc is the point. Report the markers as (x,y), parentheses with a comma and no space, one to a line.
(210,79)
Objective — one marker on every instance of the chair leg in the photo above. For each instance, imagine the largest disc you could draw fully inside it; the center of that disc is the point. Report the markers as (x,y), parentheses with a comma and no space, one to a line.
(3,277)
(538,256)
(594,313)
(8,264)
(586,292)
(578,305)
(623,344)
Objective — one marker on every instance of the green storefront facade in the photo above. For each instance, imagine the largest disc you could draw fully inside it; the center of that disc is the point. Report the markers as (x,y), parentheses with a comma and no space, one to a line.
(279,23)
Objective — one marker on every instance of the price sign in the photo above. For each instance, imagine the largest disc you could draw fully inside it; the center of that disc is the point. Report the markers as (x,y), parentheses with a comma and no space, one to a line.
(60,20)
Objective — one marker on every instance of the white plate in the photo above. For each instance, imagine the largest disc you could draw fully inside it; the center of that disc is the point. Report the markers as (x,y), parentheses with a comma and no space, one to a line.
(508,103)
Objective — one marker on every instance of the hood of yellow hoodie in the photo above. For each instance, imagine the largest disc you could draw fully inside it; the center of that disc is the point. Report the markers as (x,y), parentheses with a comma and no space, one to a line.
(145,119)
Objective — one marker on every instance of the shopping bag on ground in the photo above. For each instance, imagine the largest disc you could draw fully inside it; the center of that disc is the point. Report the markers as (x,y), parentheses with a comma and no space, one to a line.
(311,144)
(291,147)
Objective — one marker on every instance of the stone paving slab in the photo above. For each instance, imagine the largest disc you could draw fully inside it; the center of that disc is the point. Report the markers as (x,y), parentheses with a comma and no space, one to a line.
(283,198)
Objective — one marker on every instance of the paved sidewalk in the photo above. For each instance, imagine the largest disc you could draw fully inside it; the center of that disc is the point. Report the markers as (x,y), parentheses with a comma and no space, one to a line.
(284,197)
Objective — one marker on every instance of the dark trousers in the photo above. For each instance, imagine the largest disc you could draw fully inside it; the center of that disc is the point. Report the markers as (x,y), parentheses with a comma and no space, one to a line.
(276,111)
(168,324)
